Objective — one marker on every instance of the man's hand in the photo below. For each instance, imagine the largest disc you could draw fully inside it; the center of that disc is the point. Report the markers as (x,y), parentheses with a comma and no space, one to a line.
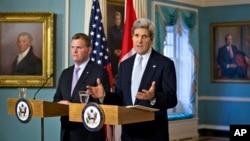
(232,66)
(96,91)
(147,94)
(65,102)
(117,52)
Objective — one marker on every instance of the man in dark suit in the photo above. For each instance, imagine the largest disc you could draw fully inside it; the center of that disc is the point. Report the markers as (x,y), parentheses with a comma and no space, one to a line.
(88,73)
(227,59)
(157,86)
(26,63)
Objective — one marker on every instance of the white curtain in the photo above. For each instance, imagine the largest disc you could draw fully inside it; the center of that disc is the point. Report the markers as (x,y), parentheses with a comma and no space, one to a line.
(140,7)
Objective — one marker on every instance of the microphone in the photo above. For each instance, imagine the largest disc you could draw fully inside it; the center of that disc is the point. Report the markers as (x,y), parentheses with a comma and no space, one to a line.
(51,75)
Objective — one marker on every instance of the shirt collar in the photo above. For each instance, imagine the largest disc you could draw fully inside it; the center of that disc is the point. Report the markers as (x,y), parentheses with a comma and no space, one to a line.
(23,54)
(83,65)
(146,55)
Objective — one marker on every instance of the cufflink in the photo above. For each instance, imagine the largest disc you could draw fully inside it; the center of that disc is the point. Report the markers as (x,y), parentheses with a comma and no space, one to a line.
(152,102)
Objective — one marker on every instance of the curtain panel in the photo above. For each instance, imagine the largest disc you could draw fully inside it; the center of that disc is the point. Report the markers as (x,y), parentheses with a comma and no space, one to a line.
(170,16)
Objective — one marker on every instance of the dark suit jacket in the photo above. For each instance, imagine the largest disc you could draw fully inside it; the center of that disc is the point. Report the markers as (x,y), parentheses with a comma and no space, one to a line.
(30,65)
(77,131)
(161,70)
(224,59)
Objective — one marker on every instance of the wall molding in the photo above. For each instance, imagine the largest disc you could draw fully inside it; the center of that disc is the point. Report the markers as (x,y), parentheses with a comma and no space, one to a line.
(221,98)
(66,34)
(207,3)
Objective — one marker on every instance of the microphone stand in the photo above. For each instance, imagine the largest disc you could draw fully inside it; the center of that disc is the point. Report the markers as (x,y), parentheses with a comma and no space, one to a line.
(42,118)
(34,98)
(42,129)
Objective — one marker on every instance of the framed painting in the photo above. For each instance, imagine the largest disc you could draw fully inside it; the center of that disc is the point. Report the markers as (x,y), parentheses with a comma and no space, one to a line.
(26,48)
(230,52)
(112,7)
(115,22)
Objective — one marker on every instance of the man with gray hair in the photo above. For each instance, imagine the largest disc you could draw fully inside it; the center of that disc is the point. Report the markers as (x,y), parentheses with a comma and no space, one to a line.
(26,63)
(147,78)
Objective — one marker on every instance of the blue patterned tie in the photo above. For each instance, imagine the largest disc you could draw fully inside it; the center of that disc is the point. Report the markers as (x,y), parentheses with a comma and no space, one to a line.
(136,78)
(74,79)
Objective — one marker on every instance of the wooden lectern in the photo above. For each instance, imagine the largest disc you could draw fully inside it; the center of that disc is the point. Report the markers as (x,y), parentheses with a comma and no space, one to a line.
(41,109)
(114,115)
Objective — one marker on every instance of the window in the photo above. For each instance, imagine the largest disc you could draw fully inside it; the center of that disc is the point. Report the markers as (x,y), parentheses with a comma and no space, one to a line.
(177,48)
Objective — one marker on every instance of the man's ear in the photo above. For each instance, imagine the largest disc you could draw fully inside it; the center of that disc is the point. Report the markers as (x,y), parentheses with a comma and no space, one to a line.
(90,49)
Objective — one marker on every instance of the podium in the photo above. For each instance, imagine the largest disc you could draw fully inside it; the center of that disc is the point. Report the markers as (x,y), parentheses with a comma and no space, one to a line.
(114,115)
(40,109)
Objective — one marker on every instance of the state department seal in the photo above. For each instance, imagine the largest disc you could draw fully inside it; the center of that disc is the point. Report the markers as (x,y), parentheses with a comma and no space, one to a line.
(92,117)
(23,110)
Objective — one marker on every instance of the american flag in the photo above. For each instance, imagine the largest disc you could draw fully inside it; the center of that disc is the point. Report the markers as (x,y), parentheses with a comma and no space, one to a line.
(100,52)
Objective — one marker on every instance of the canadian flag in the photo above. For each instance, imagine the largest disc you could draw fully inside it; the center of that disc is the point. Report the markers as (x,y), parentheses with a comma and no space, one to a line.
(127,44)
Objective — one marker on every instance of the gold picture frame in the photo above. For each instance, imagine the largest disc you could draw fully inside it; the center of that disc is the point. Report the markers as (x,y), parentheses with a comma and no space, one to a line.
(221,56)
(40,26)
(112,7)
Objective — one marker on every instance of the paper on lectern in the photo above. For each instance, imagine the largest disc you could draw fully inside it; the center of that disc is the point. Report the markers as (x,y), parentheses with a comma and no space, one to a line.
(140,107)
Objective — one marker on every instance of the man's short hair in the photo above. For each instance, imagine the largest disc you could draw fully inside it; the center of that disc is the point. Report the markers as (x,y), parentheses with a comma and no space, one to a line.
(83,37)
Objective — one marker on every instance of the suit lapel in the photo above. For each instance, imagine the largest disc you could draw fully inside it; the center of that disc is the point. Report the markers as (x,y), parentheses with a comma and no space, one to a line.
(149,72)
(68,77)
(226,51)
(150,69)
(83,77)
(127,69)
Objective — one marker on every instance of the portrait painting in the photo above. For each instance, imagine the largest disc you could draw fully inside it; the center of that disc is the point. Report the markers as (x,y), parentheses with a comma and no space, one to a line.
(9,44)
(115,23)
(230,52)
(26,47)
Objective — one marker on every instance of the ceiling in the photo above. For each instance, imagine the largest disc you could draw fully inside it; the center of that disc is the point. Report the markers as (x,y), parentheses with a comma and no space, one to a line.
(206,3)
